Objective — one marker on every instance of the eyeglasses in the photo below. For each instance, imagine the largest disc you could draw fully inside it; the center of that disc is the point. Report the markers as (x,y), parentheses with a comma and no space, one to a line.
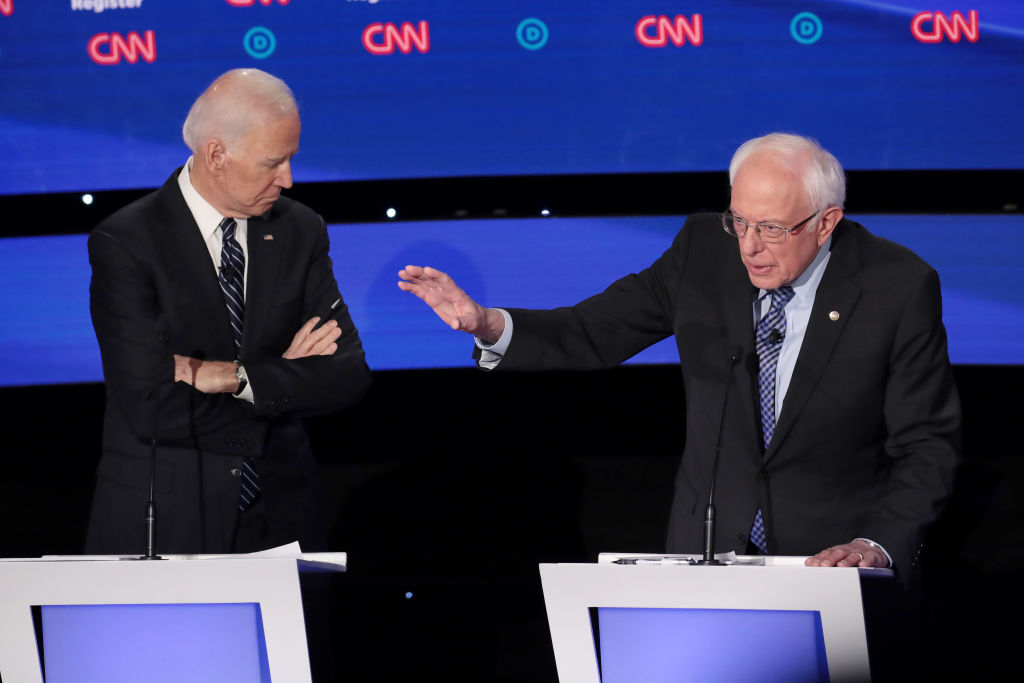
(768,232)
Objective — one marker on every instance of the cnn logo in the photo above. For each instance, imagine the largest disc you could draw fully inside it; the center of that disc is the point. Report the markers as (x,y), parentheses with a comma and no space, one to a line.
(940,27)
(677,31)
(110,48)
(382,39)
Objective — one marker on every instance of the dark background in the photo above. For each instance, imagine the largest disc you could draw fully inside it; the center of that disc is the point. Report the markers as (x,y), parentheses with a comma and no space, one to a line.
(453,484)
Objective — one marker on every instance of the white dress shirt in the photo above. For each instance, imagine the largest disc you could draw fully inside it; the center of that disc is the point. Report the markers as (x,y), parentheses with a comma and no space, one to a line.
(208,221)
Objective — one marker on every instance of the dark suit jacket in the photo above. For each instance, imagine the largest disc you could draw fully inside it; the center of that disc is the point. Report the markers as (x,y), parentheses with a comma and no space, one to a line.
(154,293)
(868,439)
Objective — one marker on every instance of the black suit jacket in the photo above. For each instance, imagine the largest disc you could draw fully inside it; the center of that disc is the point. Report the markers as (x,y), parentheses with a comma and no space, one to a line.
(867,441)
(154,293)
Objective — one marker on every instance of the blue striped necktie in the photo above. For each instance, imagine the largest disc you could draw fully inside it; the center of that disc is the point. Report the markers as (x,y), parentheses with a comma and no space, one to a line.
(232,283)
(768,339)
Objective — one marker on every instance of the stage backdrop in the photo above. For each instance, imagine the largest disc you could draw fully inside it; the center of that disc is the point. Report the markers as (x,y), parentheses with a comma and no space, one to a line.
(95,91)
(46,336)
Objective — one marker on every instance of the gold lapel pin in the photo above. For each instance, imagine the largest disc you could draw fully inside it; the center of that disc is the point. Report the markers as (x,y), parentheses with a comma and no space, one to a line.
(833,316)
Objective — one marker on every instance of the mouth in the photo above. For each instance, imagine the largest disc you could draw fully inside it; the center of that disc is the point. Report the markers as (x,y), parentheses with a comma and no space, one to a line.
(756,269)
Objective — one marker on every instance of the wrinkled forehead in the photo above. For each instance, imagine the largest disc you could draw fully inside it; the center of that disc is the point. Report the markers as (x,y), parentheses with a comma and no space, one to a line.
(765,187)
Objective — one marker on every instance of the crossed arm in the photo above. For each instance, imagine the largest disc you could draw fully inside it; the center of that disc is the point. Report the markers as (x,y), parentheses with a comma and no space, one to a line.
(218,376)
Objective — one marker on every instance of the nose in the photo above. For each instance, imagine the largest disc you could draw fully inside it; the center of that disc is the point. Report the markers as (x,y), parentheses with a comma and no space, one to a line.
(751,242)
(284,175)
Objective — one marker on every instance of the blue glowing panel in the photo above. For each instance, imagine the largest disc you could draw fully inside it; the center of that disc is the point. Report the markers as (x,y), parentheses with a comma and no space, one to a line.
(662,645)
(215,643)
(46,335)
(96,91)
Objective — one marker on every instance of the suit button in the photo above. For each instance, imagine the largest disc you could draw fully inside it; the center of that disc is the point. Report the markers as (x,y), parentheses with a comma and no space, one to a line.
(761,476)
(236,472)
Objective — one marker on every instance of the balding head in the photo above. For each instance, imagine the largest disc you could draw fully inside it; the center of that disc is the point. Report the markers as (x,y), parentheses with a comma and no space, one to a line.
(235,104)
(243,132)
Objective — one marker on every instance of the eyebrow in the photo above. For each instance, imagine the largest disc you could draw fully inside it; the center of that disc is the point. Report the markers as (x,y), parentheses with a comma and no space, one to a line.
(768,222)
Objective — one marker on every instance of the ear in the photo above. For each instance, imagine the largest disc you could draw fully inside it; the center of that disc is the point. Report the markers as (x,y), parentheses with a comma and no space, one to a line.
(214,155)
(830,218)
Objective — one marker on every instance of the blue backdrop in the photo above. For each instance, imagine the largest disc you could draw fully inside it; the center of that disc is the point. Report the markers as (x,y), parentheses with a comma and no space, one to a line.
(46,335)
(94,97)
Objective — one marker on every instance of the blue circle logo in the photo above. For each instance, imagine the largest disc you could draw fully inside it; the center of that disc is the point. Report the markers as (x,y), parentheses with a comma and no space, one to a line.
(806,28)
(532,34)
(259,42)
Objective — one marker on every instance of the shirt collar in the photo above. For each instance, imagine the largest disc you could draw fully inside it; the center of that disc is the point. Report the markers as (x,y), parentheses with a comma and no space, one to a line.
(207,218)
(807,283)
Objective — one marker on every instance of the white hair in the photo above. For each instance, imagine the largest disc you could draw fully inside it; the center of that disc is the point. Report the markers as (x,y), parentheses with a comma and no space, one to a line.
(235,103)
(824,179)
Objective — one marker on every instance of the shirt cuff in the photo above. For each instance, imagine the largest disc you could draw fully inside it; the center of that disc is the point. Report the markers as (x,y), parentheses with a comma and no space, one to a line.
(491,354)
(876,545)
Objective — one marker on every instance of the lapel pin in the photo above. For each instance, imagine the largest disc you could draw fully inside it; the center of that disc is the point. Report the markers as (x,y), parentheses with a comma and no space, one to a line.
(833,316)
(268,237)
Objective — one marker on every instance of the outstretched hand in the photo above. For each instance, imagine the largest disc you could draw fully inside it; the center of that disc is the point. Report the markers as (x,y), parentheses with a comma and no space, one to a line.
(450,303)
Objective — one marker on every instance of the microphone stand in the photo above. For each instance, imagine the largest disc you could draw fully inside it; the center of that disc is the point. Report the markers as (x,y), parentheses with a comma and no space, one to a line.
(151,503)
(709,510)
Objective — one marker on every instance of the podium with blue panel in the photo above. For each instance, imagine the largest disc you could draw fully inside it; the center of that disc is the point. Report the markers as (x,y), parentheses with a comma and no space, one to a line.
(195,618)
(659,618)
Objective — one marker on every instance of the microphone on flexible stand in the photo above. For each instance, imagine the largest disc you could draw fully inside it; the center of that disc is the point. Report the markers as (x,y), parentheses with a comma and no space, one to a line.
(709,510)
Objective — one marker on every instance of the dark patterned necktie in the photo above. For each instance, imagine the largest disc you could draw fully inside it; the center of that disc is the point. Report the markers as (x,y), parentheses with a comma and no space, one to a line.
(232,283)
(768,339)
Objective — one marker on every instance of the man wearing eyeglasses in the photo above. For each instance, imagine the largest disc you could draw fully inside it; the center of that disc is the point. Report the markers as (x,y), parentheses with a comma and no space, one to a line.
(822,344)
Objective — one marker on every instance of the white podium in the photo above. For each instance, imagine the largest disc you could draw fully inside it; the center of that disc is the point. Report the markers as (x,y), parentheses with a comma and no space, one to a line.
(611,622)
(268,584)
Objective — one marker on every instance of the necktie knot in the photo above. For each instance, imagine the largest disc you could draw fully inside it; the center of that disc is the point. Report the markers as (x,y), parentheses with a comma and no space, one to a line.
(227,226)
(781,296)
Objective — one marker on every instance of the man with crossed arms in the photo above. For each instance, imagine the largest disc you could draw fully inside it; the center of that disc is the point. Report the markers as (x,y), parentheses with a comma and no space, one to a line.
(206,298)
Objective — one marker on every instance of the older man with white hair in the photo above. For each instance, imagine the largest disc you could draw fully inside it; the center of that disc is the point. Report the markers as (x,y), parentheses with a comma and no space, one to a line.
(210,299)
(823,342)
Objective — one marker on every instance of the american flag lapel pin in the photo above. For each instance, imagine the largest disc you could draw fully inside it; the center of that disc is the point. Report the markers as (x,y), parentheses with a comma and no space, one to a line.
(267,237)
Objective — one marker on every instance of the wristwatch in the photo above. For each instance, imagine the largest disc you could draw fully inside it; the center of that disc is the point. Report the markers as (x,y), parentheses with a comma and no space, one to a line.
(243,379)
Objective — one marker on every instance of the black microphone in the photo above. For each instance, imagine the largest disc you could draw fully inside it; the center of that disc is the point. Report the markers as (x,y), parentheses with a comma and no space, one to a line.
(227,272)
(774,337)
(709,510)
(151,503)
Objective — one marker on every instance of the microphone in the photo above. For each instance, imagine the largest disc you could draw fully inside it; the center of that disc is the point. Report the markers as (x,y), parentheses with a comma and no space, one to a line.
(151,503)
(774,337)
(227,272)
(709,510)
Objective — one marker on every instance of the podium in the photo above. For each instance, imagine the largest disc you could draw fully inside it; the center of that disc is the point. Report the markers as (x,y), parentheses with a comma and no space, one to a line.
(653,618)
(206,617)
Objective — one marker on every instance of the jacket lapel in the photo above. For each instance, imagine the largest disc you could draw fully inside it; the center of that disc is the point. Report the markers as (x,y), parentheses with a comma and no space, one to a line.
(181,242)
(738,296)
(265,249)
(833,307)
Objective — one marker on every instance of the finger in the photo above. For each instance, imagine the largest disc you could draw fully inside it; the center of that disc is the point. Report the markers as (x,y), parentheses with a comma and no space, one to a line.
(851,559)
(307,345)
(308,327)
(826,558)
(321,346)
